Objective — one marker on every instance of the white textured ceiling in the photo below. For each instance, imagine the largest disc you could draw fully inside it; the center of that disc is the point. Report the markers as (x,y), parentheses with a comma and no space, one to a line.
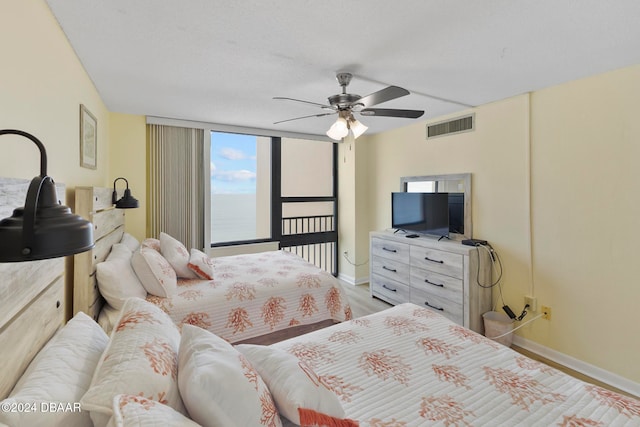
(223,61)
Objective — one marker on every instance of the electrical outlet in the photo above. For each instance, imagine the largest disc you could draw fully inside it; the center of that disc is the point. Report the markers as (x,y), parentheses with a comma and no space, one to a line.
(532,301)
(546,312)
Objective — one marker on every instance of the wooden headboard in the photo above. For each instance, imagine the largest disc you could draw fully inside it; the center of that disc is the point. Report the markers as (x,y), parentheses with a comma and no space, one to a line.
(94,204)
(31,297)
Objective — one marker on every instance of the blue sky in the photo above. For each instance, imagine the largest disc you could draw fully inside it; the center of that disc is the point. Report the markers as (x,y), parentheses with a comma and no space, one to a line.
(233,163)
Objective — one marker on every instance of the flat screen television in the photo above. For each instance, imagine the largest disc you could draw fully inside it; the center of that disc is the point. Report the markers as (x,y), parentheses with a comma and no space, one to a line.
(423,213)
(456,213)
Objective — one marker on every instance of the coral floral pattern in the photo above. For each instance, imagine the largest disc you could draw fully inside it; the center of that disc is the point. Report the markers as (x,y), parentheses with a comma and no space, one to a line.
(308,305)
(339,386)
(256,294)
(523,389)
(197,319)
(270,417)
(134,318)
(332,300)
(162,358)
(385,366)
(345,337)
(312,353)
(273,311)
(165,304)
(575,421)
(249,372)
(307,280)
(444,409)
(404,325)
(239,320)
(451,374)
(626,406)
(438,346)
(142,401)
(407,366)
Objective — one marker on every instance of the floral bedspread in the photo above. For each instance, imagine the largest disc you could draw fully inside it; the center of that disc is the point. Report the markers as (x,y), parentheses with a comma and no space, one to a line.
(408,366)
(257,294)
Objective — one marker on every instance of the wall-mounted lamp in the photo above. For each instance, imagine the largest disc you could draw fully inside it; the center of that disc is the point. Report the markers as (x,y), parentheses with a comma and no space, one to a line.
(43,228)
(345,123)
(127,201)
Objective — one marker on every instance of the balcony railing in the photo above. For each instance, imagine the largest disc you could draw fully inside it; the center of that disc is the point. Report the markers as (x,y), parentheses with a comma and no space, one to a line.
(314,238)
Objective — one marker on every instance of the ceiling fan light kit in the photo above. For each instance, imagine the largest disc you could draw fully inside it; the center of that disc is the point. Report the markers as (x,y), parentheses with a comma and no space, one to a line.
(338,130)
(345,104)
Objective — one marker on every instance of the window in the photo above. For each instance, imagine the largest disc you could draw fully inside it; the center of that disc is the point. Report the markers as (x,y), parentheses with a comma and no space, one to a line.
(275,189)
(240,187)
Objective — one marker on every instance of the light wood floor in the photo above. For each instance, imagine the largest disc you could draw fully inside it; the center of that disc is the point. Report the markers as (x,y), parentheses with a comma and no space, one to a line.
(362,304)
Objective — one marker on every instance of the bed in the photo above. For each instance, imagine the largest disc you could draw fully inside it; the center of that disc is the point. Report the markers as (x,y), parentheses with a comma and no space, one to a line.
(405,366)
(260,298)
(401,367)
(409,366)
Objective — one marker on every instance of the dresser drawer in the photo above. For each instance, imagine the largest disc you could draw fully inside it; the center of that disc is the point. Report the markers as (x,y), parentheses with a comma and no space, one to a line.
(389,290)
(447,308)
(437,284)
(390,269)
(390,249)
(442,262)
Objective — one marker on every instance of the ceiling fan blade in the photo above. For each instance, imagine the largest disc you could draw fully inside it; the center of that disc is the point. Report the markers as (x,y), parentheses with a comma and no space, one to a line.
(384,95)
(300,100)
(389,112)
(305,117)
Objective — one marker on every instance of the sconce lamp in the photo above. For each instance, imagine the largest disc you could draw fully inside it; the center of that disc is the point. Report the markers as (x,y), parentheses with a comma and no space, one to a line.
(127,201)
(43,228)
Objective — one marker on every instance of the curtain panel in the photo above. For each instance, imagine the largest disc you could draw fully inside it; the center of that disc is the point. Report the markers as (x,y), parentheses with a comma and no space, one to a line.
(175,183)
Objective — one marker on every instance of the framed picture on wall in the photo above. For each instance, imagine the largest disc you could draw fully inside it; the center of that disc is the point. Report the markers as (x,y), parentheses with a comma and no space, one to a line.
(88,139)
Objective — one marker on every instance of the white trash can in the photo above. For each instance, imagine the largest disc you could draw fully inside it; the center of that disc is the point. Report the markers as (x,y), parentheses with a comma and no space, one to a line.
(496,325)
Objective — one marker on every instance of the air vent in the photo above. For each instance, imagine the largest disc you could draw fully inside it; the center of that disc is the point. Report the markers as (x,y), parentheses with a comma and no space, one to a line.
(459,125)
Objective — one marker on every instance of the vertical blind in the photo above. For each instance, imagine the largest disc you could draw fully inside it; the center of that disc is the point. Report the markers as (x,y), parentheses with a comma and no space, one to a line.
(175,178)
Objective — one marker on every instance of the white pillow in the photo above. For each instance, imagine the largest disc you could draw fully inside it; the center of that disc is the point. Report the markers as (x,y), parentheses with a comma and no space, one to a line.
(116,279)
(177,255)
(297,390)
(137,411)
(219,386)
(152,243)
(155,272)
(120,251)
(201,264)
(140,359)
(60,373)
(130,242)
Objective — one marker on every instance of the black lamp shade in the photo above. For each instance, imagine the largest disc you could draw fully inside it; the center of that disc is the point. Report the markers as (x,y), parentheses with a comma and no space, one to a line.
(52,232)
(127,201)
(43,228)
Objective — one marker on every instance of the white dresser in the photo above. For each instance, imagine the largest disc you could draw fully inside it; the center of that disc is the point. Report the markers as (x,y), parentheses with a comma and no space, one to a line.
(444,276)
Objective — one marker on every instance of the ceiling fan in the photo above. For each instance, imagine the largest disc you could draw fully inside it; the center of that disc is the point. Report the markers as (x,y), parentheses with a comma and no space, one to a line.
(345,104)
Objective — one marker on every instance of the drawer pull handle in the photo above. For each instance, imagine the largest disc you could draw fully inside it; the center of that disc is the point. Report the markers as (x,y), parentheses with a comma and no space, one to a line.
(389,250)
(433,306)
(440,285)
(434,260)
(393,270)
(389,289)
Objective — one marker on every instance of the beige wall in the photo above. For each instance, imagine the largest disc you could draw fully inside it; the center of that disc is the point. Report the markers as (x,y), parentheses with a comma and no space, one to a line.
(585,180)
(127,153)
(42,84)
(580,140)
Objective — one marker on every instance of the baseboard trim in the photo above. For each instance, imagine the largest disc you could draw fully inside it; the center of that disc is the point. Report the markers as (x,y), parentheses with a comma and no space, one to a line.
(592,371)
(352,280)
